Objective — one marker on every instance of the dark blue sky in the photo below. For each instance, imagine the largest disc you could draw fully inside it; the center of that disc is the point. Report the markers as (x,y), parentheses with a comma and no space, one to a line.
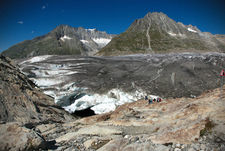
(25,19)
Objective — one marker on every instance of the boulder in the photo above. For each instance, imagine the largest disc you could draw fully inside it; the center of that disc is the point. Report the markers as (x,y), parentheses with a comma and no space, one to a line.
(13,136)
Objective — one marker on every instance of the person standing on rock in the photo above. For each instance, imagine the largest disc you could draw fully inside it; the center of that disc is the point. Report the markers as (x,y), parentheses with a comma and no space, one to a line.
(150,101)
(159,99)
(146,97)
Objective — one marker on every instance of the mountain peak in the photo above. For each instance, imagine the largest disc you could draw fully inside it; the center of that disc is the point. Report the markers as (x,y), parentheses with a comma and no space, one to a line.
(63,40)
(156,32)
(149,14)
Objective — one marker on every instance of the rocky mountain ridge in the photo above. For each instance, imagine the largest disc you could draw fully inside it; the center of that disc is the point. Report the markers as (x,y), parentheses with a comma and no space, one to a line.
(157,33)
(63,39)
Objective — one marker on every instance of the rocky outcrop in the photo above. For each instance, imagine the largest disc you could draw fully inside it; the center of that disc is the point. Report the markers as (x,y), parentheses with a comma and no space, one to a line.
(159,33)
(21,101)
(14,136)
(63,40)
(173,124)
(23,107)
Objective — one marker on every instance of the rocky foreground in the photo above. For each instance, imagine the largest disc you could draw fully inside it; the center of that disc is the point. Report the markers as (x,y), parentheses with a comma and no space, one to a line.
(182,124)
(22,106)
(174,124)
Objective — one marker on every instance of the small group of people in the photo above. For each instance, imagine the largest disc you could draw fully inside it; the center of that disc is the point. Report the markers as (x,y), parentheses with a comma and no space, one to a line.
(153,99)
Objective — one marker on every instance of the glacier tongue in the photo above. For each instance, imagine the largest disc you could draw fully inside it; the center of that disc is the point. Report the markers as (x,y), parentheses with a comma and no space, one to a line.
(103,103)
(103,83)
(56,79)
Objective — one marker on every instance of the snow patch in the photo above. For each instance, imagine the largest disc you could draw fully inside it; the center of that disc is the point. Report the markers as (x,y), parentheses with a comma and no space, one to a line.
(172,34)
(192,30)
(101,41)
(91,30)
(65,37)
(84,41)
(182,35)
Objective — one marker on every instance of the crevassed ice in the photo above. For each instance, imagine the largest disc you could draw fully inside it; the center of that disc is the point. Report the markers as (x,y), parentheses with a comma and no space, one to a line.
(101,41)
(36,59)
(104,107)
(65,37)
(50,73)
(46,82)
(104,103)
(192,30)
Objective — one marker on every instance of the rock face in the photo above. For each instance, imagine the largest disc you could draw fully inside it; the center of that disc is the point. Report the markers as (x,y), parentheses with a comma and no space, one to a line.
(13,137)
(21,101)
(157,33)
(62,40)
(23,107)
(103,83)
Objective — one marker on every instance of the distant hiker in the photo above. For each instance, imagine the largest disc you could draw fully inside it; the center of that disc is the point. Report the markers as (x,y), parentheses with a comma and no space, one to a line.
(146,97)
(150,101)
(159,100)
(154,100)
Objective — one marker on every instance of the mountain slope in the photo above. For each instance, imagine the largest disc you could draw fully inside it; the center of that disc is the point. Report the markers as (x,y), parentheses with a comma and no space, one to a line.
(64,40)
(156,32)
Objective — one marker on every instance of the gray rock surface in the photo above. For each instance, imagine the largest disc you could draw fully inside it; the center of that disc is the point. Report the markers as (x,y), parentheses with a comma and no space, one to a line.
(22,108)
(14,137)
(21,101)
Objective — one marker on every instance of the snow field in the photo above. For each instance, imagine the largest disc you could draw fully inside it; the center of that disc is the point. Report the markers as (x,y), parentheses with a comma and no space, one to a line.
(101,41)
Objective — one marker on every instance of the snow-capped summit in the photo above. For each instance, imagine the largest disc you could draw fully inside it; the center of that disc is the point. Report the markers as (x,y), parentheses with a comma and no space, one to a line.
(92,29)
(63,40)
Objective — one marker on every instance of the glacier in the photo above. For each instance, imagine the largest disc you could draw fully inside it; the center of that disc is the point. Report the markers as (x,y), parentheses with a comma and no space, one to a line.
(54,80)
(104,83)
